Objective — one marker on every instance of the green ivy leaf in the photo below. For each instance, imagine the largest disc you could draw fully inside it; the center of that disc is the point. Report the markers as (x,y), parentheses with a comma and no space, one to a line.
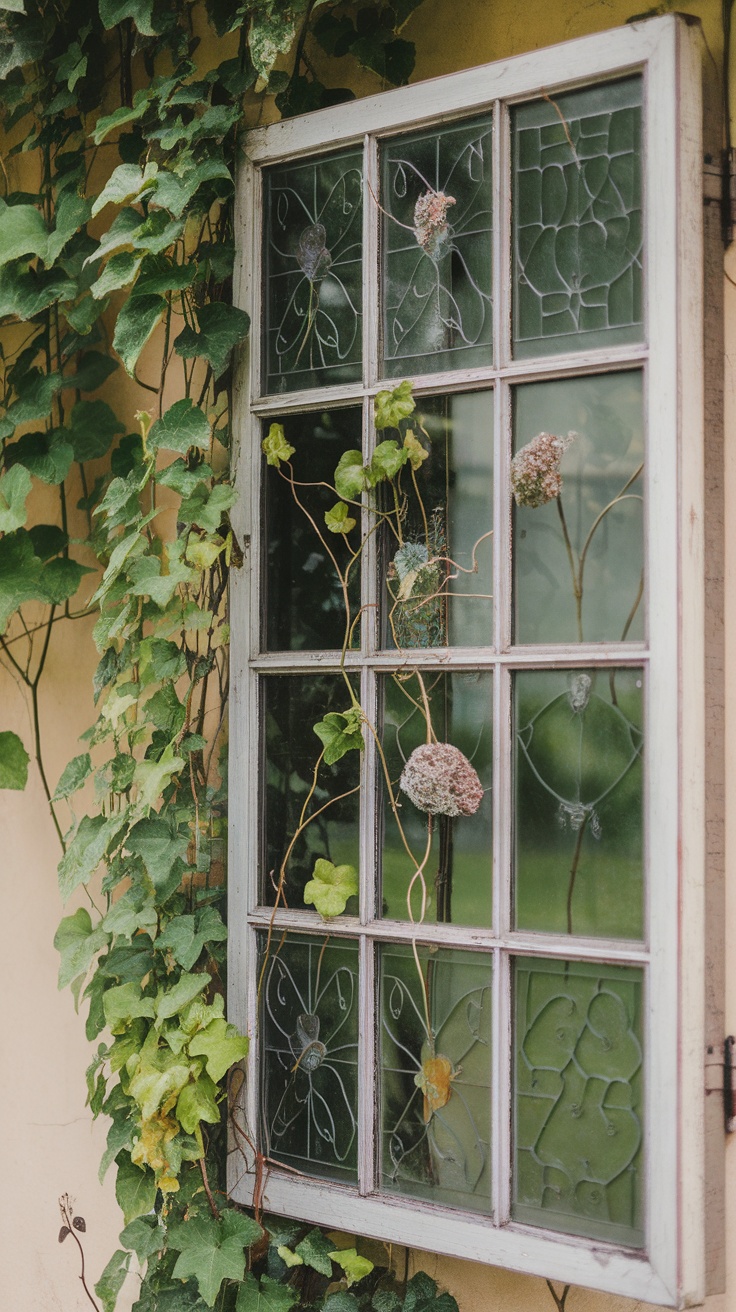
(174,192)
(341,732)
(330,887)
(183,426)
(73,776)
(77,943)
(339,519)
(134,325)
(15,486)
(221,1045)
(275,446)
(20,574)
(127,182)
(388,458)
(92,837)
(48,540)
(144,1236)
(170,1001)
(72,213)
(13,761)
(185,937)
(125,114)
(61,579)
(341,1301)
(35,399)
(45,455)
(114,12)
(93,370)
(206,508)
(93,426)
(221,328)
(24,232)
(389,408)
(25,292)
(153,777)
(119,271)
(288,1257)
(161,848)
(119,1135)
(112,1279)
(350,478)
(135,1190)
(197,1103)
(124,1003)
(314,1250)
(355,1267)
(212,1251)
(266,1295)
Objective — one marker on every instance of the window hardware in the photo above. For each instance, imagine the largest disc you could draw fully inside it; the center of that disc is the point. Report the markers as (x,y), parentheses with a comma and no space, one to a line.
(721,1078)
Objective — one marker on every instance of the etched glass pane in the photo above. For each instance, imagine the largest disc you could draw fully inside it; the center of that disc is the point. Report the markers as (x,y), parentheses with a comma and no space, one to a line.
(579,802)
(436,1075)
(578,1101)
(310,1055)
(453,885)
(310,811)
(436,193)
(438,581)
(578,521)
(305,606)
(313,239)
(578,220)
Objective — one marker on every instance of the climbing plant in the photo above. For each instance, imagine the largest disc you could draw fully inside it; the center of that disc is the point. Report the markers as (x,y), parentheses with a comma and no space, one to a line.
(120,128)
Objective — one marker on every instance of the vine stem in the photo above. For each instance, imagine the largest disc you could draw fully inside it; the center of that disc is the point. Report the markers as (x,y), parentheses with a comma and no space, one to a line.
(68,1219)
(577,592)
(560,1299)
(574,870)
(207,1188)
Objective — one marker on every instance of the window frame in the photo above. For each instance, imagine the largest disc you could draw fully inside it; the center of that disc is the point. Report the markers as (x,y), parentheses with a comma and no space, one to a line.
(666,50)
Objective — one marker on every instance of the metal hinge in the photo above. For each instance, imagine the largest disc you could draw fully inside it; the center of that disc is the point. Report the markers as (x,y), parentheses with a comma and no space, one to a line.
(719,188)
(720,1077)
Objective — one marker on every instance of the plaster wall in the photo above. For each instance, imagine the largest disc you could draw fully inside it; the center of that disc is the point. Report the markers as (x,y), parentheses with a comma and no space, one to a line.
(50,1145)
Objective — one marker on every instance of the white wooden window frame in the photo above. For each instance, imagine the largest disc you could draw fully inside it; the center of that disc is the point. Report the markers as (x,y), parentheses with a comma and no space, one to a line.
(670,1269)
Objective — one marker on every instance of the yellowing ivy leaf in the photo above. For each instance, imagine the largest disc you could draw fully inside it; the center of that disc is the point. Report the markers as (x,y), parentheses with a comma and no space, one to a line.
(417,453)
(331,886)
(339,519)
(275,446)
(221,1045)
(391,407)
(355,1267)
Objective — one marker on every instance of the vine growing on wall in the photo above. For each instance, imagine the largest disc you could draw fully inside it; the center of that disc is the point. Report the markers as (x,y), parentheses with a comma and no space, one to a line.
(116,257)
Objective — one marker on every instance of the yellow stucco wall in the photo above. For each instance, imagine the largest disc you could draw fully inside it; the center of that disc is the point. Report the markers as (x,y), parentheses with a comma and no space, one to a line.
(50,1144)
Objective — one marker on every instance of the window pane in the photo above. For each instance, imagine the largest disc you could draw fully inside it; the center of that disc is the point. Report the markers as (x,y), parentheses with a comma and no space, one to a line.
(436,1075)
(436,191)
(578,1099)
(305,608)
(458,871)
(310,1047)
(579,554)
(313,240)
(579,802)
(293,704)
(578,220)
(431,596)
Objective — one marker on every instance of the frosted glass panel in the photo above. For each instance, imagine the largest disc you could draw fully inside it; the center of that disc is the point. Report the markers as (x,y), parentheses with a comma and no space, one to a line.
(436,191)
(436,1076)
(578,220)
(578,1099)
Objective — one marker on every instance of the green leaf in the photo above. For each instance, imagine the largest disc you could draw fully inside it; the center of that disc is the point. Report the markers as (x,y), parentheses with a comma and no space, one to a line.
(330,887)
(197,1103)
(15,6)
(77,943)
(350,479)
(165,711)
(61,578)
(341,732)
(386,461)
(206,508)
(93,370)
(183,426)
(26,292)
(24,232)
(45,455)
(34,402)
(275,446)
(187,987)
(288,1257)
(127,182)
(391,407)
(160,847)
(48,540)
(119,271)
(186,936)
(159,273)
(174,191)
(84,853)
(153,777)
(315,1249)
(13,761)
(15,486)
(135,1190)
(209,1251)
(119,117)
(72,213)
(266,1295)
(124,1003)
(73,776)
(20,575)
(341,1301)
(355,1267)
(145,1236)
(221,327)
(111,1281)
(221,1045)
(135,324)
(93,427)
(339,519)
(119,1135)
(114,12)
(272,33)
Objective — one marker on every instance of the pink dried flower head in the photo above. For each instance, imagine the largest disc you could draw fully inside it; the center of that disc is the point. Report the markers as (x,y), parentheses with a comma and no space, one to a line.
(438,779)
(535,469)
(431,228)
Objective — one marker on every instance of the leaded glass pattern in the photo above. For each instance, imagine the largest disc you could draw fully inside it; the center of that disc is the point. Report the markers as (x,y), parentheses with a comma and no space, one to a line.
(437,203)
(310,1022)
(578,1096)
(313,272)
(436,1073)
(578,219)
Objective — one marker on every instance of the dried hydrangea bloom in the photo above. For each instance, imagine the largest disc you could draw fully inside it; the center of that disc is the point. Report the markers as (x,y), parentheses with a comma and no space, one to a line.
(438,779)
(535,469)
(431,228)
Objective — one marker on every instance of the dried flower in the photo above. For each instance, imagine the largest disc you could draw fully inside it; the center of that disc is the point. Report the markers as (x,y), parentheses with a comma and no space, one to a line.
(535,469)
(431,228)
(438,779)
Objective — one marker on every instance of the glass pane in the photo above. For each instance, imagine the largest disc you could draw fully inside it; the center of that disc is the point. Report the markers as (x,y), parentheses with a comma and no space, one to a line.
(305,608)
(579,802)
(436,1075)
(438,581)
(292,705)
(436,192)
(313,240)
(578,220)
(310,1055)
(579,527)
(578,1099)
(456,879)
